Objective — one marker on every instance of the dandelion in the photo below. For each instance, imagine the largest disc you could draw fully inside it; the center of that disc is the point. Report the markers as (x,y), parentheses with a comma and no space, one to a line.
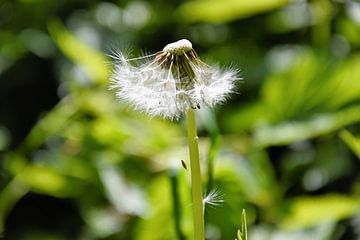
(171,81)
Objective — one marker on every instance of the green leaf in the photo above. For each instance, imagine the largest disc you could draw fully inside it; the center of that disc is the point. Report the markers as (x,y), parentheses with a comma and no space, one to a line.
(87,57)
(242,232)
(53,122)
(159,221)
(343,86)
(45,180)
(310,211)
(220,11)
(292,85)
(253,176)
(294,131)
(323,231)
(311,88)
(247,117)
(312,84)
(41,178)
(12,193)
(352,141)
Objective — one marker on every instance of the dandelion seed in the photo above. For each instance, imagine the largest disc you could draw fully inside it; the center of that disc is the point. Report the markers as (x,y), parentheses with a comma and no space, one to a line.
(213,198)
(170,81)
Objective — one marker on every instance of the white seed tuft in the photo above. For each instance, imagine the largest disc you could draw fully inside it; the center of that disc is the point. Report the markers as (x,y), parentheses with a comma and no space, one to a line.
(171,81)
(214,198)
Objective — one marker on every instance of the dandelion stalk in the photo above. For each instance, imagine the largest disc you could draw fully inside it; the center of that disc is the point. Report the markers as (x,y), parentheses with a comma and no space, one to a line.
(198,214)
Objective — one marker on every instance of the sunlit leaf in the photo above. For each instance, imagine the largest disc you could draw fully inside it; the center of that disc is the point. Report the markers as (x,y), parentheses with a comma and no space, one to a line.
(45,180)
(103,221)
(294,131)
(319,232)
(344,84)
(218,11)
(302,91)
(309,211)
(309,87)
(284,93)
(92,60)
(350,30)
(53,122)
(253,176)
(242,232)
(352,141)
(247,117)
(126,198)
(159,223)
(41,178)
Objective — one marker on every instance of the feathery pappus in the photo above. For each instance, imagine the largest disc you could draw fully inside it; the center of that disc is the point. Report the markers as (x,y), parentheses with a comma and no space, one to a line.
(170,81)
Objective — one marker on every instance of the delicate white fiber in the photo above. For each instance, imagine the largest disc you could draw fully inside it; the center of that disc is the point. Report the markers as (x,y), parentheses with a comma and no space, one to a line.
(169,82)
(213,198)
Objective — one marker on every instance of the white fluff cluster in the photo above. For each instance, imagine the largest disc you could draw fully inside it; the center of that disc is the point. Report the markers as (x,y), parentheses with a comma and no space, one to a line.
(169,82)
(214,198)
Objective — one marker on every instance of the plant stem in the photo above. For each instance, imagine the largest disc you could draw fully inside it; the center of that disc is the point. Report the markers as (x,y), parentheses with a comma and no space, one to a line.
(196,184)
(174,179)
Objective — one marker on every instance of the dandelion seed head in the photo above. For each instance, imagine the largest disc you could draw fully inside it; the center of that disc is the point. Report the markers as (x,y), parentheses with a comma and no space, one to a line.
(170,81)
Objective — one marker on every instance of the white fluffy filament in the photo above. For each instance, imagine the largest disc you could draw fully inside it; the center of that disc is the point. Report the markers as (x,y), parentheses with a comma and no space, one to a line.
(152,87)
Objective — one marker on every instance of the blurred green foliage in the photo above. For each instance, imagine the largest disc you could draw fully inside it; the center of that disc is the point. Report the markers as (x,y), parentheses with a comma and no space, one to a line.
(78,164)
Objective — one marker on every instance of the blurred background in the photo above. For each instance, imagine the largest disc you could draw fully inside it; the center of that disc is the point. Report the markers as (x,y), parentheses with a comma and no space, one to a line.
(78,164)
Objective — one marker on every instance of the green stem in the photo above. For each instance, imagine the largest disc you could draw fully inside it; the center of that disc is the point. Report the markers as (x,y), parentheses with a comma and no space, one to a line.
(196,184)
(174,179)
